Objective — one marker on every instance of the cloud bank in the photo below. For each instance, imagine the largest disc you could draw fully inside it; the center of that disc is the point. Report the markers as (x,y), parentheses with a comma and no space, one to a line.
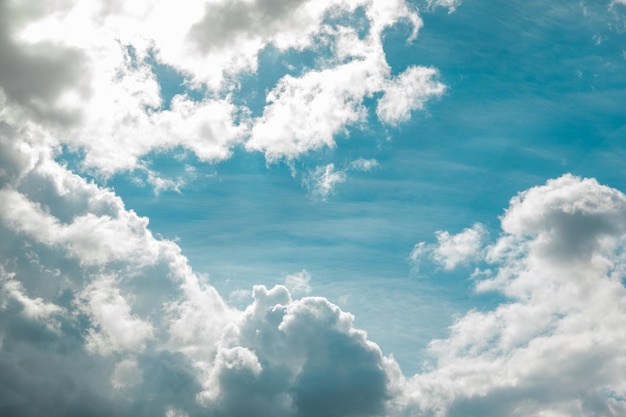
(113,320)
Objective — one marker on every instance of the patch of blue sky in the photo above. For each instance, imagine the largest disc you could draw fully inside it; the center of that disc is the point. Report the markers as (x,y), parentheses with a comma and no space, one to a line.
(356,19)
(273,64)
(172,83)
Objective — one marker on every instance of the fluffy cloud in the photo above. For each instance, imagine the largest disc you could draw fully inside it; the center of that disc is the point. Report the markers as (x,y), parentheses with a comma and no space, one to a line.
(452,250)
(113,320)
(116,315)
(100,317)
(555,347)
(296,358)
(407,92)
(101,96)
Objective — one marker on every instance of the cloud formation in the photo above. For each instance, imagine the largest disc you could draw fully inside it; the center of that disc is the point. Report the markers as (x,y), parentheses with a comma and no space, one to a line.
(98,316)
(102,98)
(555,347)
(452,250)
(117,315)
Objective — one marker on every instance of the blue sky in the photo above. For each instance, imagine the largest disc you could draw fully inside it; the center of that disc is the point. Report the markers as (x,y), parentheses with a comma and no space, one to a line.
(230,194)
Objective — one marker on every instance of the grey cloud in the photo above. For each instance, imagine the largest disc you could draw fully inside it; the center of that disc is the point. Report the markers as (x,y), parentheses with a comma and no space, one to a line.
(286,358)
(34,75)
(569,218)
(226,22)
(13,161)
(303,359)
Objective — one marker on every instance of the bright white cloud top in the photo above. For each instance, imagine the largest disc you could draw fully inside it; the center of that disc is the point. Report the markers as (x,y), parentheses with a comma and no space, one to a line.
(102,315)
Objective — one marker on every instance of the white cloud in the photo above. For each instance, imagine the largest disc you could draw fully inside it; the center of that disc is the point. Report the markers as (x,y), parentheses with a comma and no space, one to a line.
(90,238)
(36,309)
(114,327)
(553,348)
(407,92)
(127,327)
(306,113)
(102,97)
(322,181)
(451,251)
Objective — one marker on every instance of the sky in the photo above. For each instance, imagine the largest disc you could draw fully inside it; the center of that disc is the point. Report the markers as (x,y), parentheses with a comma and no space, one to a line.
(304,208)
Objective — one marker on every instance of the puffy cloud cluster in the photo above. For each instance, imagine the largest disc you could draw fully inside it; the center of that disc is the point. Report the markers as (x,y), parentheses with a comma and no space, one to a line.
(296,358)
(113,320)
(556,347)
(83,74)
(99,316)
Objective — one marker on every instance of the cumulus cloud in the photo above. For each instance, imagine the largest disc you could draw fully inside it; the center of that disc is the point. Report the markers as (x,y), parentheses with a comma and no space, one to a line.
(132,330)
(553,348)
(452,250)
(34,75)
(100,317)
(83,75)
(89,327)
(300,358)
(306,113)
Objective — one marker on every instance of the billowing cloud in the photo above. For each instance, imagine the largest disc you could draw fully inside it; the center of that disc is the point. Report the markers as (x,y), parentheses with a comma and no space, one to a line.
(555,347)
(117,314)
(101,95)
(98,316)
(296,358)
(119,317)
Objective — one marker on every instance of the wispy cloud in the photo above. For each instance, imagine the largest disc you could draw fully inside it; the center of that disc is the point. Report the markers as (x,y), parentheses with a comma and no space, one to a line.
(321,182)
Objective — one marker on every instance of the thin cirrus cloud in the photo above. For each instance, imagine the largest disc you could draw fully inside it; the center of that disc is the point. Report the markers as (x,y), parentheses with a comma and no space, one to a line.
(99,316)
